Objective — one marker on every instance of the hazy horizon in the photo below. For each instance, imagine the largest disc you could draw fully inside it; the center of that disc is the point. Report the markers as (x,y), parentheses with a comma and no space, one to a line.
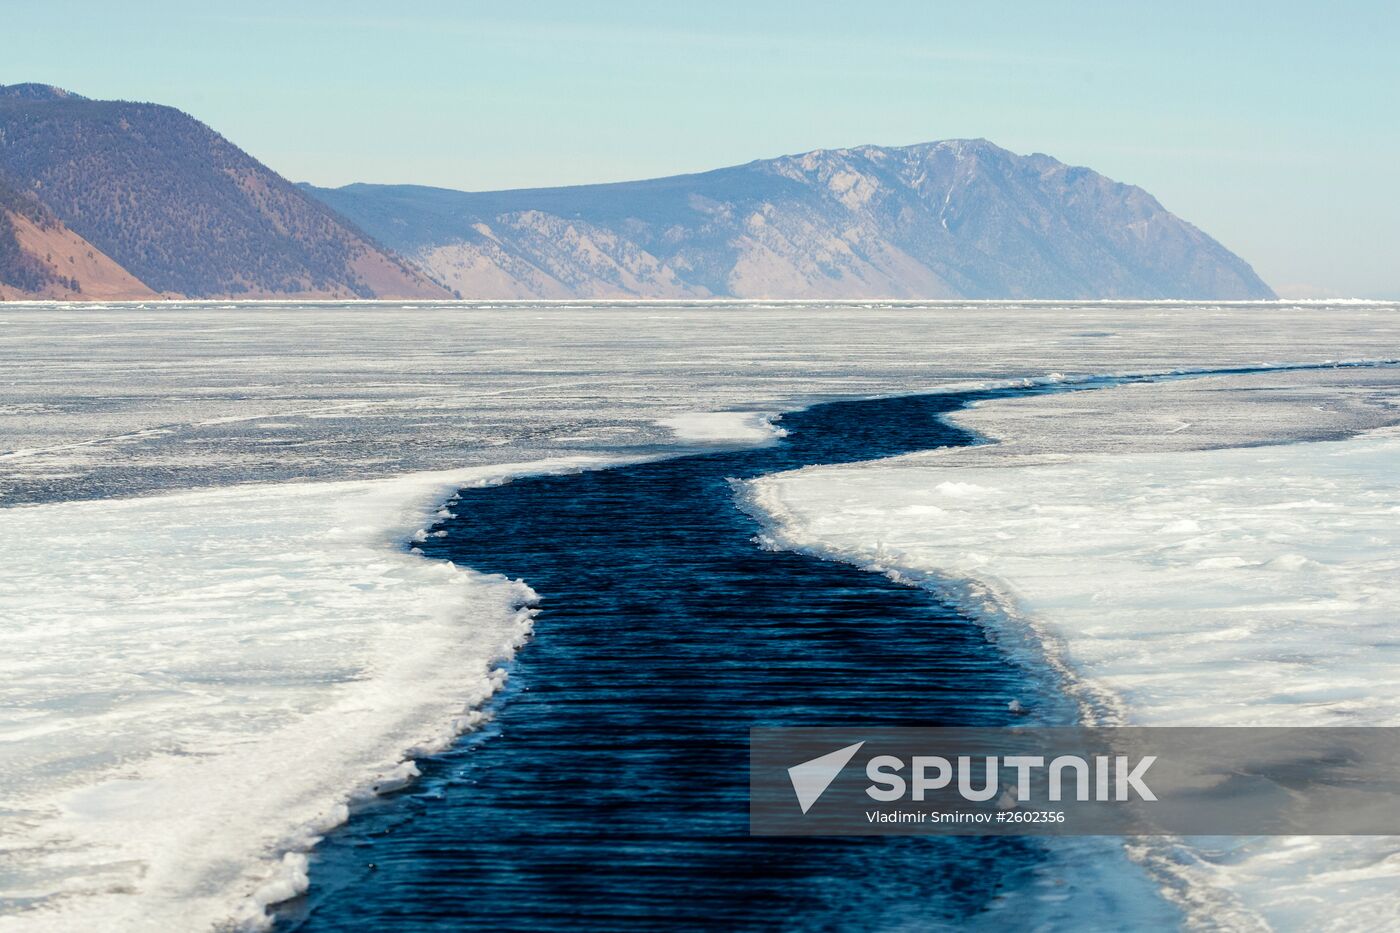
(1261,124)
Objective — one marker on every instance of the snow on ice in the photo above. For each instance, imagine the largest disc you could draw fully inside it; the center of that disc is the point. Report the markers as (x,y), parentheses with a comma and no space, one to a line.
(214,634)
(1249,585)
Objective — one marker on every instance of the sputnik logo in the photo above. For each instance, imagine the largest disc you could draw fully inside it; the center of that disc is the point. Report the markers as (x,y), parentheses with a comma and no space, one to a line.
(811,778)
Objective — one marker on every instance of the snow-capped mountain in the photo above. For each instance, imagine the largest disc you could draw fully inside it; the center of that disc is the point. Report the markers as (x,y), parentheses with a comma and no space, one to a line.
(958,218)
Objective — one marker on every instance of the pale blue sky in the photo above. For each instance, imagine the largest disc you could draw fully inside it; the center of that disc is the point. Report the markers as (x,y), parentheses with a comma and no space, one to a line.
(1274,126)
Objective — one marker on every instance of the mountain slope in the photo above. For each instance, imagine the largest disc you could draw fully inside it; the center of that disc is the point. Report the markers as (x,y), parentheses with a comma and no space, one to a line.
(40,258)
(959,218)
(184,210)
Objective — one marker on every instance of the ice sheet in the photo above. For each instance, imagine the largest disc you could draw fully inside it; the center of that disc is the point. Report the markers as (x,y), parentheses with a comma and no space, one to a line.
(197,683)
(194,681)
(1240,586)
(125,400)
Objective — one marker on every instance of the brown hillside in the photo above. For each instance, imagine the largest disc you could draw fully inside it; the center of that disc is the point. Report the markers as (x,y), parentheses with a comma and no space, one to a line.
(70,268)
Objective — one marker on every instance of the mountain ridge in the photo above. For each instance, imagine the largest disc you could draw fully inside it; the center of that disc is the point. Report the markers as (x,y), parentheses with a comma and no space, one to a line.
(944,219)
(34,91)
(182,209)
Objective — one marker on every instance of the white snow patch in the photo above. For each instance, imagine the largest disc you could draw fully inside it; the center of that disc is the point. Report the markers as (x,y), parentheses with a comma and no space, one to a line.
(723,427)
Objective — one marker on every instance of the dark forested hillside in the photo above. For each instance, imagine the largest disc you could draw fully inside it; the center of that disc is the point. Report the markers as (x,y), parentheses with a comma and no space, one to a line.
(40,258)
(182,208)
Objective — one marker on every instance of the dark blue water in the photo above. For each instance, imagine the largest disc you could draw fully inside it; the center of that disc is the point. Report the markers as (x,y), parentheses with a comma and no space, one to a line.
(610,791)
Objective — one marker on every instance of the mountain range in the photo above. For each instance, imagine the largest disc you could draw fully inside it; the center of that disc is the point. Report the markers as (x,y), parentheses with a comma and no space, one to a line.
(951,219)
(111,199)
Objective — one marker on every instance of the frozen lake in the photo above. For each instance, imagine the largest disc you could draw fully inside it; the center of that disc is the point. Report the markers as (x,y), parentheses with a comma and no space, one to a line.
(128,400)
(214,636)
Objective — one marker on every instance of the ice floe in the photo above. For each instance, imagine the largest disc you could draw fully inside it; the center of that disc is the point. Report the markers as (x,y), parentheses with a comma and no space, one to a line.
(205,680)
(1239,586)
